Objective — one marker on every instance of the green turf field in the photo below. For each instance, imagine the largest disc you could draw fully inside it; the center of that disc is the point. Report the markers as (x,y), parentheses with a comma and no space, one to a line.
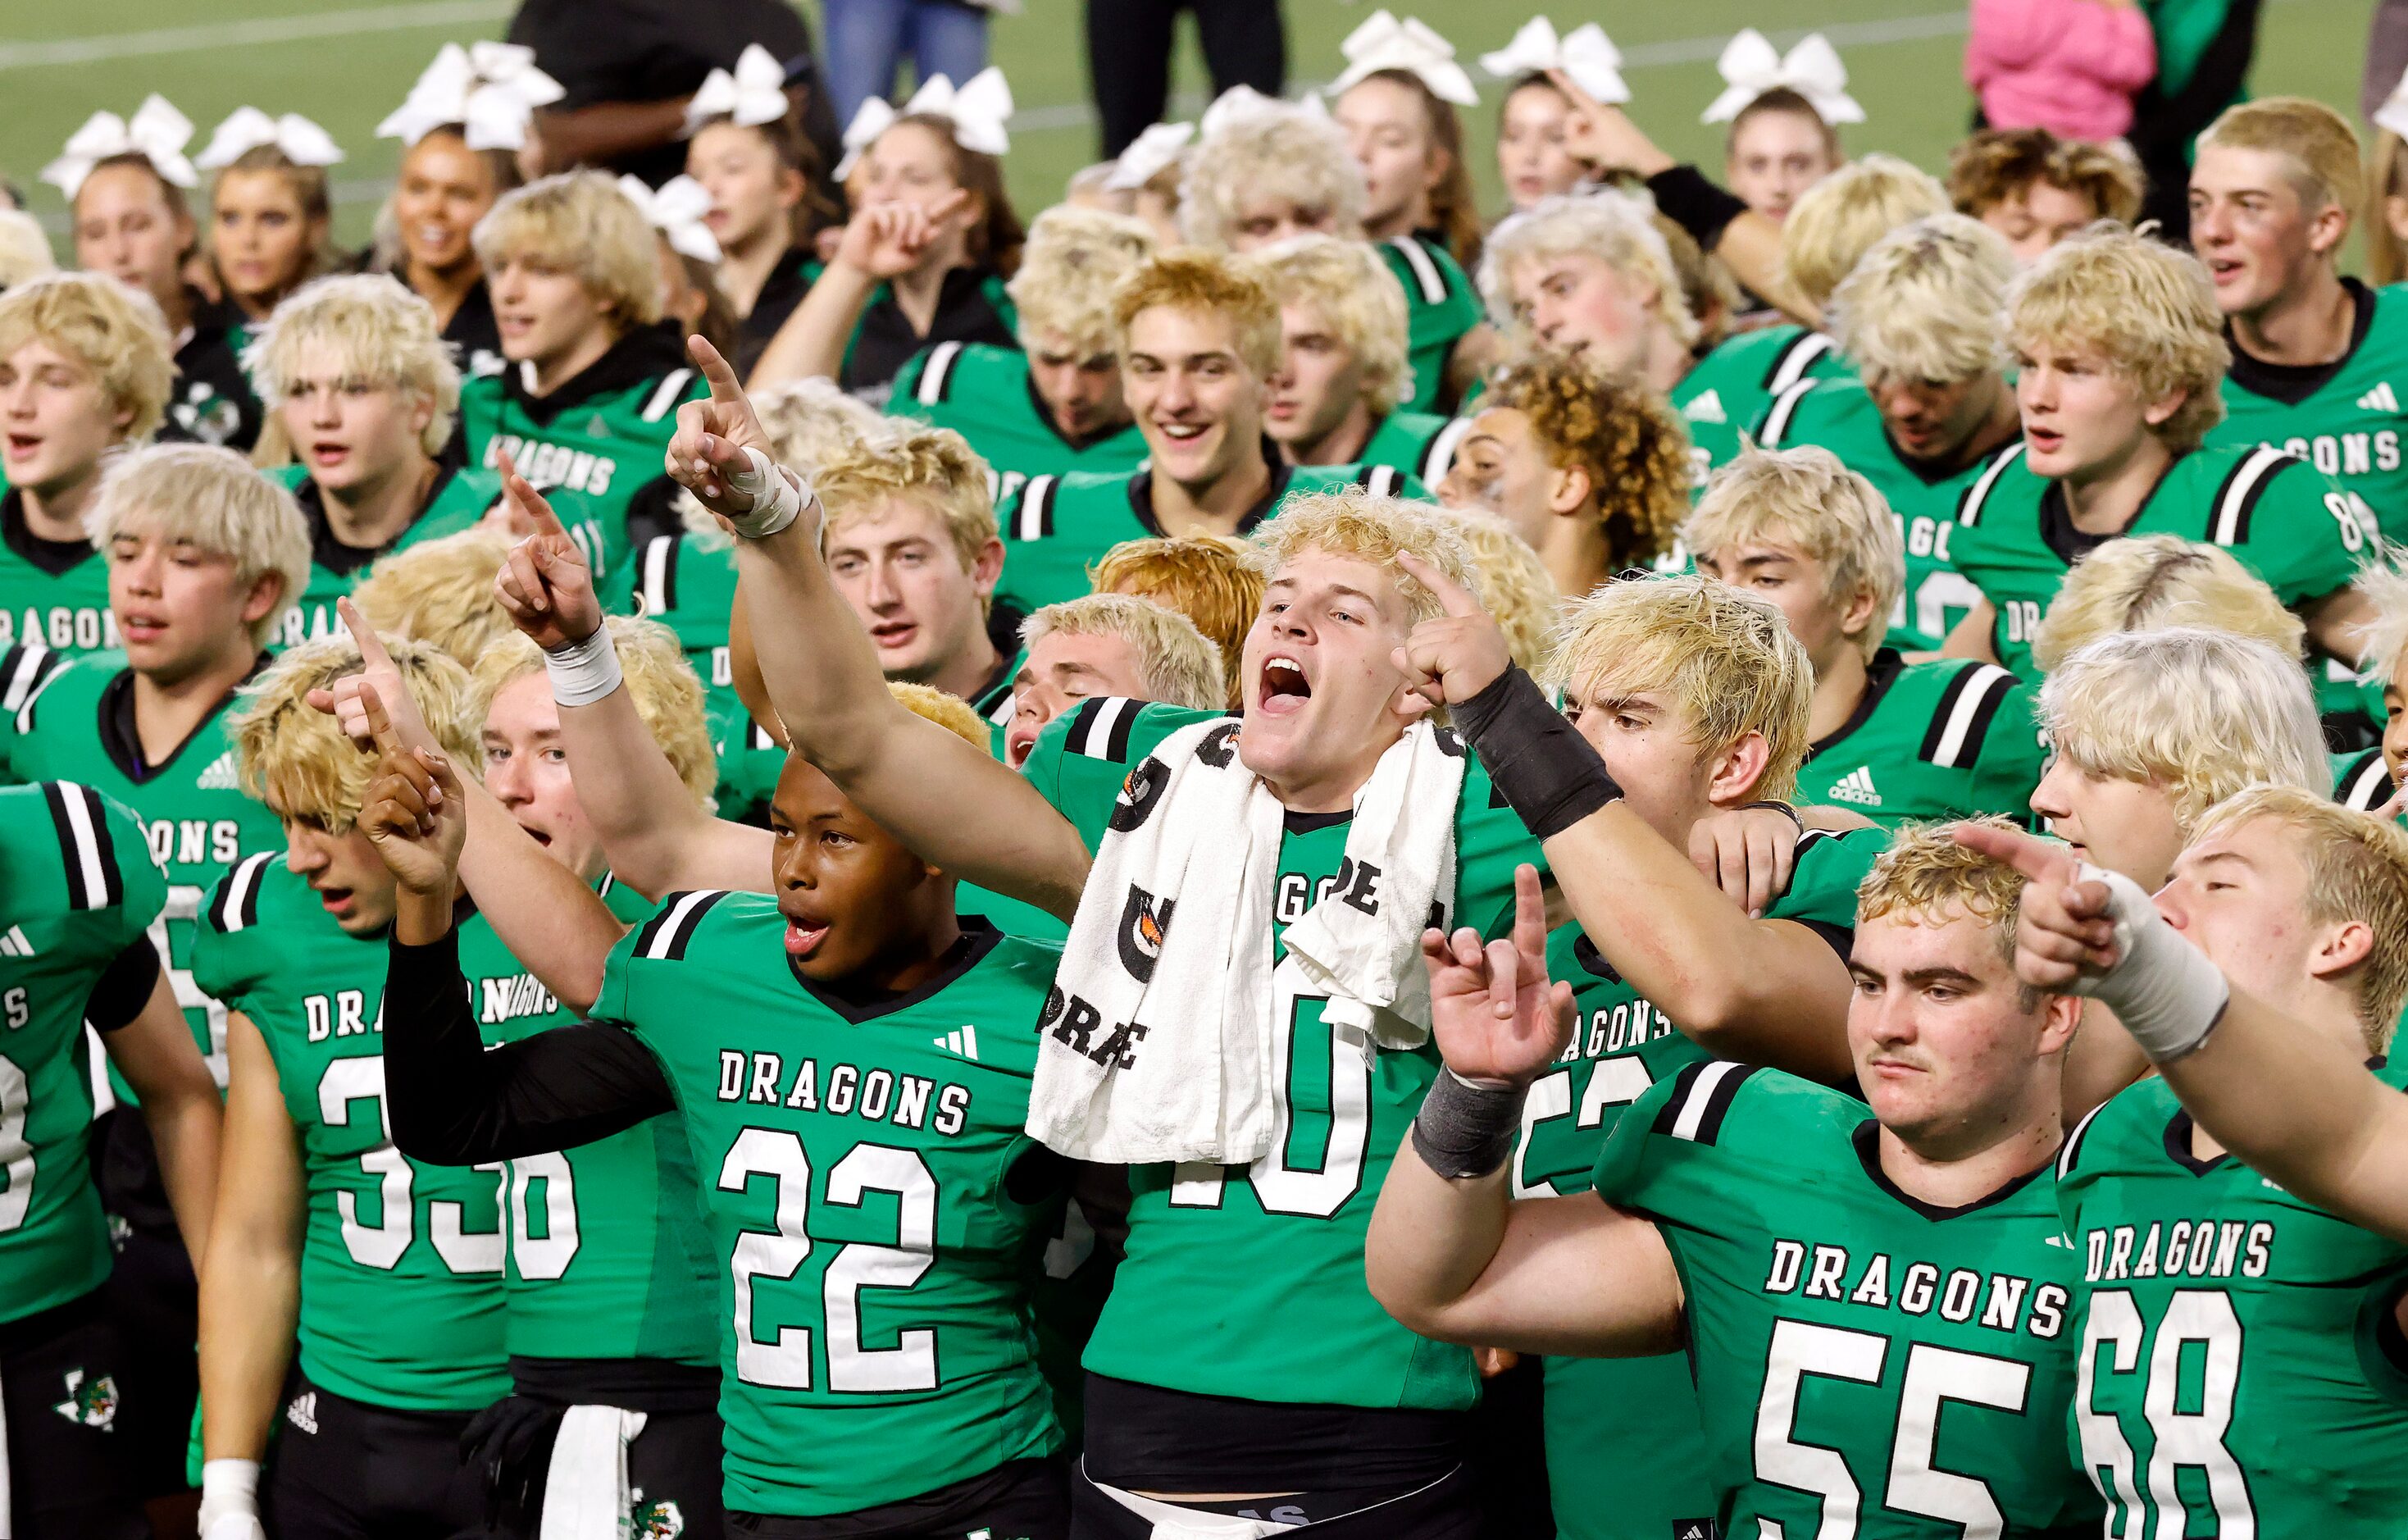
(346,65)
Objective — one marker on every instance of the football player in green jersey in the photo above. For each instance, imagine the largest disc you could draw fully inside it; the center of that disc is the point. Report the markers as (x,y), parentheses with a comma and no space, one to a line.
(390,1270)
(893,1382)
(1590,469)
(1343,372)
(83,369)
(1918,317)
(2118,358)
(1948,737)
(590,381)
(82,892)
(1882,1338)
(2273,189)
(1053,404)
(1199,341)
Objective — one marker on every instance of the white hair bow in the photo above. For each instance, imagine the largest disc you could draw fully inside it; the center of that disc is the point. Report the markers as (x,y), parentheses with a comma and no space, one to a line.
(2393,113)
(754,93)
(247,129)
(1382,42)
(1750,66)
(156,132)
(1585,53)
(979,110)
(1242,104)
(676,211)
(1147,155)
(490,90)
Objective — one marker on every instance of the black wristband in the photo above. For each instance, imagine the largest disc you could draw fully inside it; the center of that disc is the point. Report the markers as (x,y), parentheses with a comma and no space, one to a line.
(1464,1129)
(1685,196)
(1783,808)
(1541,763)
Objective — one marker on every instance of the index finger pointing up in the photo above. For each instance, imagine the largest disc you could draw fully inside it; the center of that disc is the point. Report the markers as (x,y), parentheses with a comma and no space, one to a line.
(380,721)
(725,387)
(1453,597)
(531,505)
(372,651)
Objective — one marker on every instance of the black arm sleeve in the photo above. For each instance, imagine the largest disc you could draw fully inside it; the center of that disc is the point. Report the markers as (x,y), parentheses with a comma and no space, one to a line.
(454,1102)
(1686,197)
(124,987)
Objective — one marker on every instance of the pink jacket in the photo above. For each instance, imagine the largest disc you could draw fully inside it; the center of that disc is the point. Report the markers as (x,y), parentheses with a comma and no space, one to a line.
(2070,67)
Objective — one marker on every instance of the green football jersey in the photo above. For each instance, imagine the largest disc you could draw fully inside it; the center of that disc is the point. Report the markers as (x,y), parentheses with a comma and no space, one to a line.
(1946,739)
(854,1160)
(984,394)
(1057,526)
(1840,415)
(77,887)
(401,1262)
(688,583)
(1726,393)
(2346,418)
(1867,1364)
(2277,514)
(607,1258)
(1418,445)
(77,723)
(1644,1409)
(1261,1266)
(51,592)
(1440,306)
(2362,780)
(2234,1377)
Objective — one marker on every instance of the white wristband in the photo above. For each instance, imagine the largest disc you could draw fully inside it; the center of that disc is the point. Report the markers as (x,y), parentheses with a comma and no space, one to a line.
(229,1488)
(2164,990)
(585,671)
(777,498)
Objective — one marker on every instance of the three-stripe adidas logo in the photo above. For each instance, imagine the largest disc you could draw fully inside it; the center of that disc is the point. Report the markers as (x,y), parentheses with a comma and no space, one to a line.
(1858,786)
(961,1043)
(14,944)
(2379,399)
(221,776)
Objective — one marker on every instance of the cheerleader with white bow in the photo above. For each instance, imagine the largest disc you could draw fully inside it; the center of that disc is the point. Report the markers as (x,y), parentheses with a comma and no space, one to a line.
(1400,100)
(747,147)
(1534,158)
(271,213)
(1785,110)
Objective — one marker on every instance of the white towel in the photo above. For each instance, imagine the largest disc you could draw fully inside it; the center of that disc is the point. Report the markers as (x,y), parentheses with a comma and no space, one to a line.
(1156,1041)
(586,1495)
(1173,1523)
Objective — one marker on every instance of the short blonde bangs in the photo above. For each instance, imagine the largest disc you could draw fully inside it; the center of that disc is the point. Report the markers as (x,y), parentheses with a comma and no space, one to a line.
(1615,227)
(578,221)
(2150,581)
(1805,499)
(1923,303)
(1726,660)
(1367,528)
(1513,585)
(1180,666)
(2318,142)
(1349,287)
(1215,582)
(1839,219)
(1634,447)
(1204,283)
(380,334)
(933,467)
(1278,151)
(297,758)
(2145,308)
(113,331)
(2202,714)
(950,712)
(441,592)
(1073,260)
(659,679)
(1926,873)
(214,499)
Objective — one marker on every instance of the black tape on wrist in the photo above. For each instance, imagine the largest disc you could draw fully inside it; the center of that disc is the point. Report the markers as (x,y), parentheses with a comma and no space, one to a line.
(1686,198)
(1541,763)
(1464,1129)
(1784,808)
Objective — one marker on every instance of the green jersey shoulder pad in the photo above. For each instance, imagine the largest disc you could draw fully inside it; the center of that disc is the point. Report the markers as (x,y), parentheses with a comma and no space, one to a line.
(1429,272)
(1773,431)
(82,852)
(26,671)
(931,377)
(1977,496)
(1960,722)
(2069,1157)
(234,904)
(1029,516)
(670,931)
(2363,781)
(1697,1102)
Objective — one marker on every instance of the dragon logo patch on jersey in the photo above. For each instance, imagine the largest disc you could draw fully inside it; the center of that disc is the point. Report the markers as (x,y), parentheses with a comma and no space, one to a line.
(662,1520)
(90,1404)
(1144,921)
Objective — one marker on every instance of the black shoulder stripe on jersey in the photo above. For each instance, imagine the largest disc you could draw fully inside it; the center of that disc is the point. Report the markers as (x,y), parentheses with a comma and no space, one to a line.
(1439,458)
(1380,481)
(236,907)
(936,375)
(2073,1151)
(1033,520)
(1426,277)
(22,671)
(1778,417)
(1961,721)
(666,935)
(1102,728)
(86,851)
(660,575)
(2237,499)
(1790,365)
(1701,1101)
(2367,784)
(1969,508)
(672,386)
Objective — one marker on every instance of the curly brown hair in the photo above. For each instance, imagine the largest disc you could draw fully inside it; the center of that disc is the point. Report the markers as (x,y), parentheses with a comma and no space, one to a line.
(1993,165)
(1626,436)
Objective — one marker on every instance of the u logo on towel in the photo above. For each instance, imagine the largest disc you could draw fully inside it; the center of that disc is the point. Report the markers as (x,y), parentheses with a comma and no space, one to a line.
(1139,794)
(1145,919)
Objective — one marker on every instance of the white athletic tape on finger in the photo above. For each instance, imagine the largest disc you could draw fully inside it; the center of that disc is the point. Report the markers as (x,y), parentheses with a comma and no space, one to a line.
(2164,990)
(777,496)
(585,671)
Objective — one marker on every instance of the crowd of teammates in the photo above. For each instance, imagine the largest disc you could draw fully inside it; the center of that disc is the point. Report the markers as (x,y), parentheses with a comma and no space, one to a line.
(789,856)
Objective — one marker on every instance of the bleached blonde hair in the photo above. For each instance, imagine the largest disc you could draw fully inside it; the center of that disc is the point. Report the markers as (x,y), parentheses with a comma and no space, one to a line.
(1207,283)
(950,712)
(24,248)
(1615,227)
(213,498)
(1348,286)
(1367,528)
(1804,498)
(1840,218)
(1178,665)
(2384,640)
(933,467)
(2147,309)
(1923,303)
(441,592)
(114,332)
(809,422)
(380,334)
(1214,580)
(1514,584)
(1073,260)
(2147,582)
(1927,873)
(1726,660)
(660,681)
(2200,714)
(1279,151)
(578,221)
(2357,870)
(2318,142)
(298,759)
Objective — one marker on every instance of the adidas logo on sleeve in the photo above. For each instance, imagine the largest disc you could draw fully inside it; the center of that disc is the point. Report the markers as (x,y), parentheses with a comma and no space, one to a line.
(14,944)
(961,1043)
(1857,786)
(2381,398)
